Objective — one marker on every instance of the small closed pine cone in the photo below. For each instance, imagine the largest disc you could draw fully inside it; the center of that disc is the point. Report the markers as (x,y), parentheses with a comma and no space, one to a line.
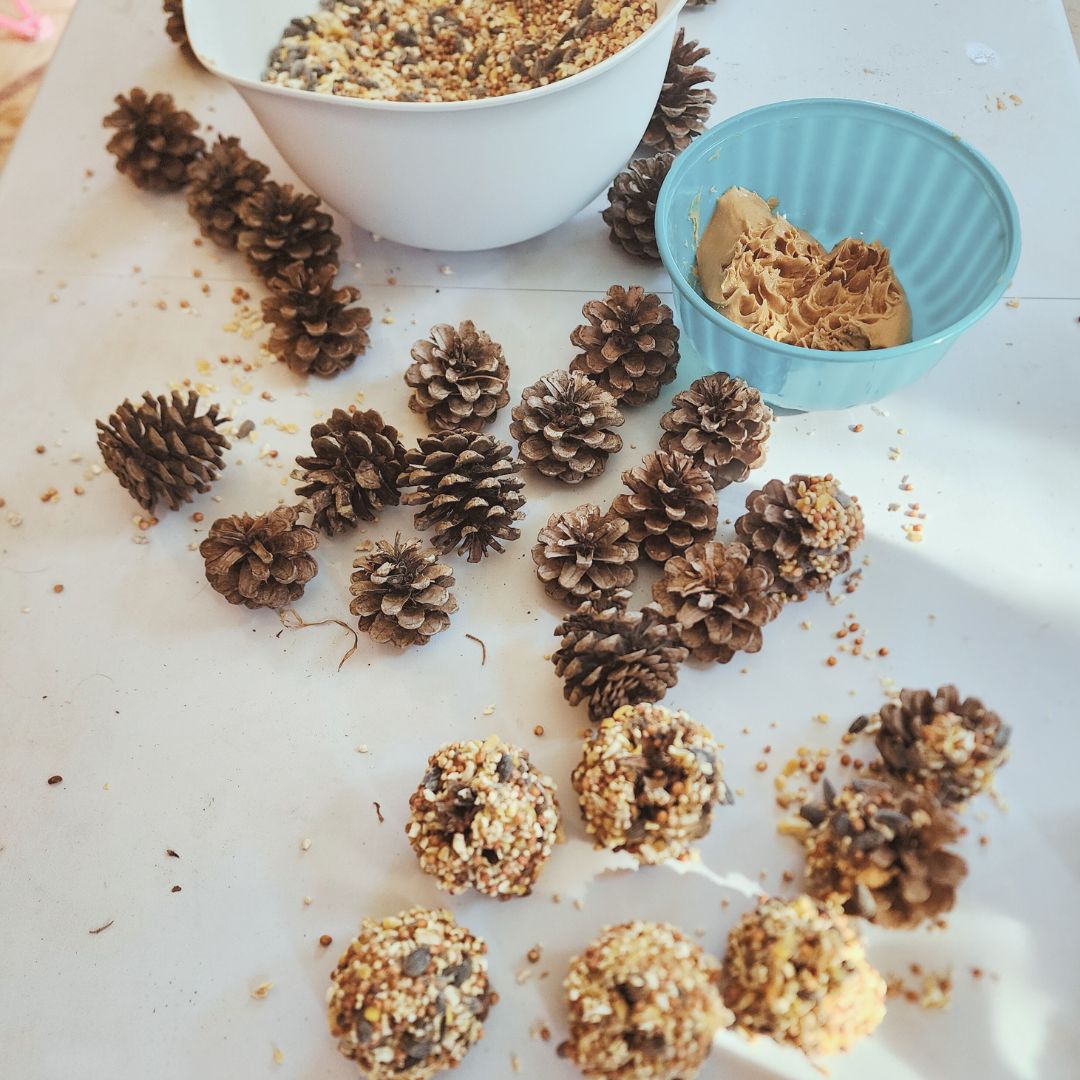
(353,471)
(610,657)
(262,561)
(718,600)
(218,182)
(950,745)
(176,27)
(803,532)
(160,450)
(280,226)
(878,848)
(722,423)
(584,555)
(683,108)
(671,505)
(402,593)
(315,331)
(631,209)
(630,345)
(155,142)
(458,378)
(563,426)
(468,484)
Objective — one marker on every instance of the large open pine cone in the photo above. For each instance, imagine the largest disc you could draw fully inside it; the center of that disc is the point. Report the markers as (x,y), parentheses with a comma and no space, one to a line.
(584,555)
(803,532)
(315,331)
(155,142)
(563,426)
(611,657)
(218,182)
(631,209)
(402,593)
(353,471)
(630,345)
(718,600)
(878,848)
(468,484)
(683,109)
(160,449)
(722,423)
(262,561)
(671,505)
(176,27)
(281,226)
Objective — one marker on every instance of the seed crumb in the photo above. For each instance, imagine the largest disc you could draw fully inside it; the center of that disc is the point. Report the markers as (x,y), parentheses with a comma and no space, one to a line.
(261,990)
(279,1057)
(305,844)
(55,779)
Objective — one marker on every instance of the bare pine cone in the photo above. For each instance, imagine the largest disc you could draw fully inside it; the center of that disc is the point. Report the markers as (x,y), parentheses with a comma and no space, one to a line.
(155,142)
(683,109)
(176,27)
(563,426)
(353,471)
(160,450)
(282,226)
(720,422)
(631,209)
(584,555)
(458,378)
(262,561)
(218,182)
(402,593)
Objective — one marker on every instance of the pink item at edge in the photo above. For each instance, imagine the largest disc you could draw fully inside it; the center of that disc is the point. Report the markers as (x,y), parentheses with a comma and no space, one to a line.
(31,25)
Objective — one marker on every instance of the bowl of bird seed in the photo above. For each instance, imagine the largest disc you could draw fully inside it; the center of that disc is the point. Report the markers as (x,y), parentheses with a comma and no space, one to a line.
(454,127)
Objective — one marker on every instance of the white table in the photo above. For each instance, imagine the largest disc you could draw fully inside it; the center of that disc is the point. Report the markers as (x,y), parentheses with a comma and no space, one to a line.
(178,722)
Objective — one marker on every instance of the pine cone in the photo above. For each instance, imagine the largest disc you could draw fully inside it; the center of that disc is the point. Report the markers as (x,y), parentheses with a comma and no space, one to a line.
(176,27)
(611,657)
(402,593)
(631,344)
(263,561)
(717,599)
(950,745)
(683,109)
(803,532)
(458,378)
(631,209)
(879,849)
(281,226)
(218,183)
(469,485)
(353,472)
(315,331)
(583,555)
(155,142)
(721,423)
(671,505)
(162,450)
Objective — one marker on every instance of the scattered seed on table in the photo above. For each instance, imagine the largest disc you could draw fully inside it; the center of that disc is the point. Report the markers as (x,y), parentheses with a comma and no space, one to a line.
(175,888)
(55,779)
(326,941)
(378,812)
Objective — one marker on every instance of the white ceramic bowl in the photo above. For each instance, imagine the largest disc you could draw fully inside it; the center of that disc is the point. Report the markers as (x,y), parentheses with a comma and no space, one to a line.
(453,176)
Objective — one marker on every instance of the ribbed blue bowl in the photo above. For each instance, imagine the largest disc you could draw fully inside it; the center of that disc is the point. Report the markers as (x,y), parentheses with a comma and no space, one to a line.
(844,168)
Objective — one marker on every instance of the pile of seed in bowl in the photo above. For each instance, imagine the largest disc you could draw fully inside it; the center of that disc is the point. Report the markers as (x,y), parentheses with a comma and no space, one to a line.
(430,50)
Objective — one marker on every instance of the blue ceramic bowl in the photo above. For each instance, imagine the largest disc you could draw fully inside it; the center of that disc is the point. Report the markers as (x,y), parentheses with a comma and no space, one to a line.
(844,168)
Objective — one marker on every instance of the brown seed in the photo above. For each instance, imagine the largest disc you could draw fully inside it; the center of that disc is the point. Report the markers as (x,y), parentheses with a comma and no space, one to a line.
(175,888)
(58,588)
(533,955)
(55,779)
(197,516)
(172,854)
(761,766)
(39,449)
(326,940)
(831,661)
(883,651)
(538,730)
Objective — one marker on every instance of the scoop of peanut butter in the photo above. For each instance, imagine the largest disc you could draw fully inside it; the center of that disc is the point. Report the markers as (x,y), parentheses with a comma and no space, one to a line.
(775,279)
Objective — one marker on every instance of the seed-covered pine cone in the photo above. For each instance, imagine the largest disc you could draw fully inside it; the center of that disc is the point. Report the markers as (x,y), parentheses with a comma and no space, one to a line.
(950,745)
(803,532)
(683,109)
(160,449)
(353,471)
(717,599)
(458,378)
(722,423)
(218,182)
(155,142)
(631,209)
(563,426)
(402,593)
(262,561)
(315,331)
(630,344)
(878,849)
(176,27)
(611,657)
(671,505)
(584,555)
(468,483)
(280,226)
